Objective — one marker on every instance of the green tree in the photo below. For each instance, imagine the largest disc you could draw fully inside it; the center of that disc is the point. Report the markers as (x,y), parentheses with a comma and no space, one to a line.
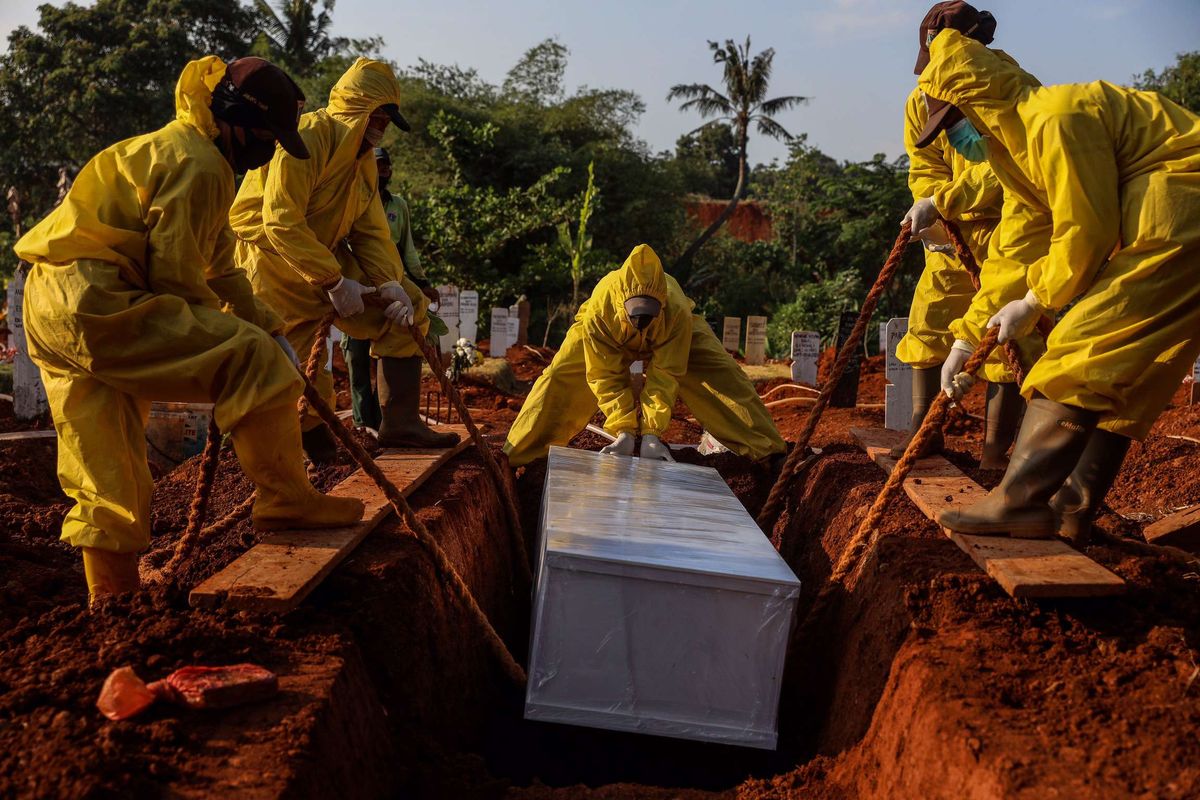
(295,34)
(577,248)
(93,75)
(744,101)
(1180,82)
(709,160)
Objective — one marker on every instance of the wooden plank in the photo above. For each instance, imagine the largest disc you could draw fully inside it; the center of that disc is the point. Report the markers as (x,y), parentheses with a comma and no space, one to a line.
(1036,568)
(1181,529)
(17,436)
(281,570)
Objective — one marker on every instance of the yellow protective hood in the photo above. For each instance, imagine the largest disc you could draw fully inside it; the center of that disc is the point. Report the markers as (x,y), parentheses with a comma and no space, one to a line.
(364,87)
(193,94)
(642,275)
(986,85)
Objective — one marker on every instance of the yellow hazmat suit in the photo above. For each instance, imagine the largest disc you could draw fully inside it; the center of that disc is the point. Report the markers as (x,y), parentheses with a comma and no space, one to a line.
(682,357)
(304,224)
(1119,172)
(970,195)
(123,306)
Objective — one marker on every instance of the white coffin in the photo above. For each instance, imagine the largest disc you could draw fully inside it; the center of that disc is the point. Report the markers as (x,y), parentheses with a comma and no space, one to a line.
(660,606)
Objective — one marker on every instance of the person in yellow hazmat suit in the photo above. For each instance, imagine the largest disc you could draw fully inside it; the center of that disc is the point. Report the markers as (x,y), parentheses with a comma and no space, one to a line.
(314,239)
(639,313)
(1119,171)
(946,184)
(124,305)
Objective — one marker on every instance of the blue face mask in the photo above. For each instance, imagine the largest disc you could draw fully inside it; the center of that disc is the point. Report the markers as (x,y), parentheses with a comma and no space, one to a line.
(967,141)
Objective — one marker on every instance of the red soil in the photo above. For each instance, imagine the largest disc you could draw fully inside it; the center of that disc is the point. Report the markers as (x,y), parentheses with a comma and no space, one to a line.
(927,681)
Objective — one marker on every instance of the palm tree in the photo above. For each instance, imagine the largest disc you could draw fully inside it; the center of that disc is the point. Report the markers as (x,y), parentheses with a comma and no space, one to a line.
(743,103)
(298,34)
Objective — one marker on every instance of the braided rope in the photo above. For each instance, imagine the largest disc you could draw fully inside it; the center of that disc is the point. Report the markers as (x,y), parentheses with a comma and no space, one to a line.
(868,530)
(774,504)
(204,484)
(458,587)
(967,259)
(503,483)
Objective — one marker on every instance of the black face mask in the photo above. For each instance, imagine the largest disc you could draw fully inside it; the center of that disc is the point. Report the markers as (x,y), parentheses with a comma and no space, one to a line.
(253,153)
(642,321)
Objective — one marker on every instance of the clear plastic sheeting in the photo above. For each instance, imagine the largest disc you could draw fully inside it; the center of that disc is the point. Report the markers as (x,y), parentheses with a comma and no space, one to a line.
(660,606)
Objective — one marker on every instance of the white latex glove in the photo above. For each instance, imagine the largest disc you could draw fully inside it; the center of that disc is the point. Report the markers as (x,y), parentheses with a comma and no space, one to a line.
(347,297)
(287,349)
(1017,318)
(935,239)
(401,306)
(922,214)
(623,446)
(955,382)
(654,448)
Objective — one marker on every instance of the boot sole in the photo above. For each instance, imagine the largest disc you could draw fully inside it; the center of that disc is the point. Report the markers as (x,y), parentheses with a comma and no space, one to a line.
(1011,531)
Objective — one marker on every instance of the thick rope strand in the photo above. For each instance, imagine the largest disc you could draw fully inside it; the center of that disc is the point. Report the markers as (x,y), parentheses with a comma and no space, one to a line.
(199,507)
(774,504)
(868,529)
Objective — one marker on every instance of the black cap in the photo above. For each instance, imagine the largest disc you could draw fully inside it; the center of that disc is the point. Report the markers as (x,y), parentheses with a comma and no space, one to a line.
(393,111)
(942,115)
(962,17)
(382,155)
(257,94)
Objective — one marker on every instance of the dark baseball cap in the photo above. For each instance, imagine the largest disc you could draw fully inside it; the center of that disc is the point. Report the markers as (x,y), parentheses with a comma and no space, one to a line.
(264,97)
(942,115)
(962,17)
(393,111)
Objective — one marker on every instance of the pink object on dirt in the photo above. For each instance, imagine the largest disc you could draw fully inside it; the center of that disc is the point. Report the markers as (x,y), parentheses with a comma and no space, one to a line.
(124,694)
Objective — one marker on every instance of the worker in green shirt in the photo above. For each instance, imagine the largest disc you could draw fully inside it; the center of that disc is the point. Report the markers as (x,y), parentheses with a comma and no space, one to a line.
(357,352)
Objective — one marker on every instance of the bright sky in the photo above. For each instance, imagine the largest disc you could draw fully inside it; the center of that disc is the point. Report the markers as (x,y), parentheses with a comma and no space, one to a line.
(852,57)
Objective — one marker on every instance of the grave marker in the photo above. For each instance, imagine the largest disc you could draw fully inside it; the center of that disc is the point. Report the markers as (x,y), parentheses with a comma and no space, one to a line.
(897,413)
(731,335)
(448,311)
(498,342)
(468,314)
(806,350)
(1195,397)
(29,393)
(756,340)
(845,394)
(514,325)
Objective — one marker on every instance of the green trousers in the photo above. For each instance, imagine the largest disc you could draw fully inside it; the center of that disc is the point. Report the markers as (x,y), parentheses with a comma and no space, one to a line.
(363,398)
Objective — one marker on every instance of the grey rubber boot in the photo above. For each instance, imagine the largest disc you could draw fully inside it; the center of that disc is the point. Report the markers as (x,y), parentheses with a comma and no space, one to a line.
(926,383)
(399,382)
(1078,501)
(1004,409)
(1052,438)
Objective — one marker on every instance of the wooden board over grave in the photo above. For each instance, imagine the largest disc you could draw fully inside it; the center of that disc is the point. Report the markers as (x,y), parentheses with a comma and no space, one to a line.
(1034,568)
(280,571)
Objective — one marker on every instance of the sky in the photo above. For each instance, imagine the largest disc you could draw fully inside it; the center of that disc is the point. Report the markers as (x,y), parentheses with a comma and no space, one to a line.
(853,58)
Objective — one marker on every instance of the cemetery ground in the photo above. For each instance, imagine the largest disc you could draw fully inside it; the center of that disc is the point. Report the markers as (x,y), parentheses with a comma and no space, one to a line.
(928,680)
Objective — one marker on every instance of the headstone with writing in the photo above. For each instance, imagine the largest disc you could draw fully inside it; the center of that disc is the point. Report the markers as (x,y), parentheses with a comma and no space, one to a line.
(845,394)
(498,342)
(806,351)
(514,324)
(29,393)
(756,340)
(731,335)
(468,314)
(448,311)
(897,413)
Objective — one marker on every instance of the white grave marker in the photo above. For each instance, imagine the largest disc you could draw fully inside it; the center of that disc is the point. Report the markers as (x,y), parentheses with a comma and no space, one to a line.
(29,393)
(448,311)
(806,351)
(731,336)
(1195,395)
(499,339)
(897,413)
(514,324)
(756,340)
(468,314)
